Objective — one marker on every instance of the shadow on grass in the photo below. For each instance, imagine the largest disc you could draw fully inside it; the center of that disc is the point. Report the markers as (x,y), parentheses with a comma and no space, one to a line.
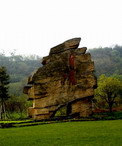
(28,122)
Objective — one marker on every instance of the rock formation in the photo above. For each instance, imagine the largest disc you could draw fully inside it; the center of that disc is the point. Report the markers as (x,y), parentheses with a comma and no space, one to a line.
(65,79)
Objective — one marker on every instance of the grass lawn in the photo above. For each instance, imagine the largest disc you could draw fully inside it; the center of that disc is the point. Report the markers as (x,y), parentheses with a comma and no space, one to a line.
(87,133)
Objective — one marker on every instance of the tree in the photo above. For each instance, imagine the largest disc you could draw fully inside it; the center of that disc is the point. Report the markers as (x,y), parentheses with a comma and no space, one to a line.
(4,81)
(109,88)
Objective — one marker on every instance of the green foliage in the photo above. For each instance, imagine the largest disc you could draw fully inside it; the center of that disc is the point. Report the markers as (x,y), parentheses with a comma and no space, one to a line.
(119,77)
(61,112)
(109,90)
(92,133)
(16,107)
(16,89)
(4,81)
(19,67)
(108,115)
(107,60)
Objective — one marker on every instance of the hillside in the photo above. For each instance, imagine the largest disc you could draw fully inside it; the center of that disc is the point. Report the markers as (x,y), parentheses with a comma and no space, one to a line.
(19,67)
(108,61)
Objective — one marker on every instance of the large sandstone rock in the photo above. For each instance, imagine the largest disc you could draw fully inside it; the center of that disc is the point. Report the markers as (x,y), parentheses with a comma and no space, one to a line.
(66,79)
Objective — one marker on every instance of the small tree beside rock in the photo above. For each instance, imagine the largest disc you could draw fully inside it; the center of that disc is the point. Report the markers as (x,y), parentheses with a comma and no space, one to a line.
(4,81)
(109,89)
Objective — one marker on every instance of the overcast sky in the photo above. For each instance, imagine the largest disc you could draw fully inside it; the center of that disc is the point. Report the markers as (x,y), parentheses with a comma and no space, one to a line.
(34,26)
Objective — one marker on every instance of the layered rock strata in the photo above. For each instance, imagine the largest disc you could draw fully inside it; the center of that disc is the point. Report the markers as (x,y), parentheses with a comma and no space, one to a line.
(66,79)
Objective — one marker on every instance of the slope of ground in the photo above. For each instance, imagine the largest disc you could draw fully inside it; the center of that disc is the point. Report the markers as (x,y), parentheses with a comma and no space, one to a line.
(90,133)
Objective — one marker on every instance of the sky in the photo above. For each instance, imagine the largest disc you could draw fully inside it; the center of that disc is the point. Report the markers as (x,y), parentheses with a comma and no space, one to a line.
(35,26)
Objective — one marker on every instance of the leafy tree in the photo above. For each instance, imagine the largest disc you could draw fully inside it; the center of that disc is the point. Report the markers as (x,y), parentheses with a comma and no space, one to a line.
(109,89)
(16,107)
(4,81)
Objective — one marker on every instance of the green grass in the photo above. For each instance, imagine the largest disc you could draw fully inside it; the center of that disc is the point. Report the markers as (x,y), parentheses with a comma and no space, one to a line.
(89,133)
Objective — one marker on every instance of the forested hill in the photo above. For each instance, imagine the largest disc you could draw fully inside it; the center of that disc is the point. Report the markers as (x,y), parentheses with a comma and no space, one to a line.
(107,60)
(20,67)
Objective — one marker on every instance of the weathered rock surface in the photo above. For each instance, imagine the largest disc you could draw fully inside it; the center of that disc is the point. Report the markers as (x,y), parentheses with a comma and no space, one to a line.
(69,44)
(66,79)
